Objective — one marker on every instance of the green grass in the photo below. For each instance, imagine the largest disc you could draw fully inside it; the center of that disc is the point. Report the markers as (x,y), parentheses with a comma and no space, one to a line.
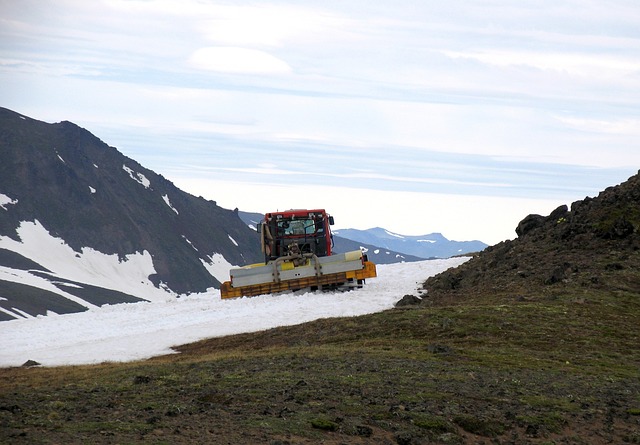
(532,370)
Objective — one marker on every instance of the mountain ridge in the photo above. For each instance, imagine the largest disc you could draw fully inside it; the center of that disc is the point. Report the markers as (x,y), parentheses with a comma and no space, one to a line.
(433,245)
(376,254)
(60,181)
(593,244)
(386,247)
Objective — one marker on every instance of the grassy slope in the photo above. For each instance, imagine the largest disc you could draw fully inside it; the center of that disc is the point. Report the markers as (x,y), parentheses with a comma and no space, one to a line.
(556,369)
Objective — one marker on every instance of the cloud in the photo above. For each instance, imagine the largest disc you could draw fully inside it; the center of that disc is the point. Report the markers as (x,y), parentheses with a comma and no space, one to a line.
(627,126)
(238,60)
(595,65)
(515,100)
(459,217)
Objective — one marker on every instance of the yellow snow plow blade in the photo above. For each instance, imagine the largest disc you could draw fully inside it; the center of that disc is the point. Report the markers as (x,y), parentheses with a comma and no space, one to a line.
(348,270)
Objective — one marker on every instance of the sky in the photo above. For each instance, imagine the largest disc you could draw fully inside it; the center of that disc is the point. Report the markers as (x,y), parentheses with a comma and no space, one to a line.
(458,117)
(137,331)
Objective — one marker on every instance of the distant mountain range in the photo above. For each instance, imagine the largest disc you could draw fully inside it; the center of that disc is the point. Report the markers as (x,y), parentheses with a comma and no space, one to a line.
(385,247)
(433,245)
(376,254)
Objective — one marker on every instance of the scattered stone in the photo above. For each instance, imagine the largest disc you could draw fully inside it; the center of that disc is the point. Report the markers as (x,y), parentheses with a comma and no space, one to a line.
(404,438)
(408,300)
(529,223)
(364,431)
(139,379)
(556,276)
(30,364)
(439,349)
(559,215)
(619,229)
(614,266)
(153,420)
(11,408)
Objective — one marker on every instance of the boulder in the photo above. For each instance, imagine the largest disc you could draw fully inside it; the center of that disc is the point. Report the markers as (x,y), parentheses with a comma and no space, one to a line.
(529,223)
(408,300)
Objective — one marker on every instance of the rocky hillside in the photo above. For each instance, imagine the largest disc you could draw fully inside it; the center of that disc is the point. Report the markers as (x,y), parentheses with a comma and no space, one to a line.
(62,180)
(594,245)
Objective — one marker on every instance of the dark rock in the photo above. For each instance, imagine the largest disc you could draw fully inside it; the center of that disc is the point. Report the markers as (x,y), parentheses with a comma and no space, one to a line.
(621,228)
(556,276)
(558,214)
(614,266)
(439,349)
(529,223)
(139,379)
(11,408)
(404,438)
(30,363)
(451,281)
(364,431)
(408,300)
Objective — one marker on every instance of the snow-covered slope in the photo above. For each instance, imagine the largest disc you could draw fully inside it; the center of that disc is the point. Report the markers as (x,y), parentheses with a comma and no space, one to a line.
(130,276)
(79,218)
(64,280)
(140,330)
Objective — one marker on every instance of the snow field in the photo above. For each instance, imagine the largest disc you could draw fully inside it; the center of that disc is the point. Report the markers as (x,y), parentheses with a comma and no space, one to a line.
(137,331)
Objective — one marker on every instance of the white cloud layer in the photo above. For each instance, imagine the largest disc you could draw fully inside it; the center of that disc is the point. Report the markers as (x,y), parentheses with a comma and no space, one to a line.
(238,60)
(495,102)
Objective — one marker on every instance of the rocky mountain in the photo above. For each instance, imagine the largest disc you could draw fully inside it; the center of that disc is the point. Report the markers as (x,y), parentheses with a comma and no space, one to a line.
(377,254)
(433,245)
(65,195)
(593,245)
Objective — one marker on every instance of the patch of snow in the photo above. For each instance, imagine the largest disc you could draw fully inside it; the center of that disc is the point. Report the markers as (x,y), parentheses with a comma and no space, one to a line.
(15,313)
(92,190)
(190,243)
(393,234)
(252,227)
(5,200)
(25,277)
(218,267)
(67,284)
(21,313)
(426,241)
(377,251)
(138,177)
(89,266)
(95,166)
(137,331)
(60,157)
(9,313)
(23,118)
(166,199)
(233,241)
